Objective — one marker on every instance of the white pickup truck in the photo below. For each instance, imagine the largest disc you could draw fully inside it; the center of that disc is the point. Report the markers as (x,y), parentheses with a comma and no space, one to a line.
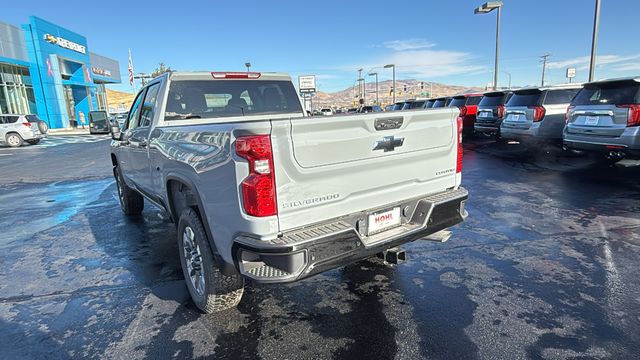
(260,191)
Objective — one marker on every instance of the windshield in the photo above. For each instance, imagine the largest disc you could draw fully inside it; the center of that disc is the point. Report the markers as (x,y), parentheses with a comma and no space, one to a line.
(525,98)
(190,99)
(32,118)
(492,100)
(608,93)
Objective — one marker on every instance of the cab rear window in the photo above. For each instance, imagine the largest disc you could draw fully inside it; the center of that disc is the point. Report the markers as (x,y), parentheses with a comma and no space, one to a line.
(608,93)
(191,99)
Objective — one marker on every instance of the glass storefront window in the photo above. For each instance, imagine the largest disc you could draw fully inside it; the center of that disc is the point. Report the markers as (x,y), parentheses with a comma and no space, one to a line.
(16,91)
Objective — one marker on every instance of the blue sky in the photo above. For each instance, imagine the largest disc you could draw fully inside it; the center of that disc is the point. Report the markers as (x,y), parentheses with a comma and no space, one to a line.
(441,41)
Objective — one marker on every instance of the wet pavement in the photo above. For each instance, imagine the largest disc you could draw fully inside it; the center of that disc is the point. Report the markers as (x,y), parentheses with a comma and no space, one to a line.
(545,267)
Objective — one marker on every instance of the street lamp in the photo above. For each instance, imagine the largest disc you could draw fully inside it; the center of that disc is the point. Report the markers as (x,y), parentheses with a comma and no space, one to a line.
(509,74)
(376,75)
(594,41)
(248,65)
(484,9)
(393,66)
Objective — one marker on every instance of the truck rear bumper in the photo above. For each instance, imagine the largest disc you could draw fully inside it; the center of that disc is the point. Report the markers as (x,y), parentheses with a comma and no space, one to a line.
(317,248)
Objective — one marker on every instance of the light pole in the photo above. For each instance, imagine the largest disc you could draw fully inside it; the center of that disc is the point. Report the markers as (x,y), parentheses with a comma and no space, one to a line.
(248,65)
(509,74)
(594,41)
(359,85)
(376,75)
(484,9)
(393,86)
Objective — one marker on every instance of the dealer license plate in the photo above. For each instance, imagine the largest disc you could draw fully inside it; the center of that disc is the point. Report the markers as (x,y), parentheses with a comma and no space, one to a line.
(384,220)
(591,120)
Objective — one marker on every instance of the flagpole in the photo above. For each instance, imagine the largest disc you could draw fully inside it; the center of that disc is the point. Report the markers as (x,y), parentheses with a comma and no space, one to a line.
(132,81)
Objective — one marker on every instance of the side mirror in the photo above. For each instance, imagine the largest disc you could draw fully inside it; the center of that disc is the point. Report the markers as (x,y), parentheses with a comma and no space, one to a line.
(115,132)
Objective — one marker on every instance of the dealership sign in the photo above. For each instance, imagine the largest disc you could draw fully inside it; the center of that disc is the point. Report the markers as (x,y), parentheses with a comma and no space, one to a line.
(65,43)
(307,83)
(100,71)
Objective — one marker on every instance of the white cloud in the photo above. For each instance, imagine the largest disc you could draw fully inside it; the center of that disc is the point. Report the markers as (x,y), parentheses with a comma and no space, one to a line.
(408,44)
(582,62)
(632,66)
(431,63)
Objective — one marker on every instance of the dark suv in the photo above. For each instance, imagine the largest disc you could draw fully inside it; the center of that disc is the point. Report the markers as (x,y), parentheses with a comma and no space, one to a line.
(605,117)
(491,112)
(538,114)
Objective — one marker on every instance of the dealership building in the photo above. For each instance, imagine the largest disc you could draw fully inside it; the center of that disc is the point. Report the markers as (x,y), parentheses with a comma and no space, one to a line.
(48,70)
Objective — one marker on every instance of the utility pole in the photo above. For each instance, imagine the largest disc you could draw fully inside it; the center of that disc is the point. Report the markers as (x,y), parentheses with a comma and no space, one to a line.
(594,41)
(544,59)
(143,78)
(248,65)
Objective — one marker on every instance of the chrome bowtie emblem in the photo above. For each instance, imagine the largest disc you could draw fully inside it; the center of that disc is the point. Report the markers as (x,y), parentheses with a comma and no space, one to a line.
(388,143)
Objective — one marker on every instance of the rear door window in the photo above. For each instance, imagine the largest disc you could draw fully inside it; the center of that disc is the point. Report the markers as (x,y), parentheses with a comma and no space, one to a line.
(529,98)
(608,93)
(555,97)
(134,113)
(150,99)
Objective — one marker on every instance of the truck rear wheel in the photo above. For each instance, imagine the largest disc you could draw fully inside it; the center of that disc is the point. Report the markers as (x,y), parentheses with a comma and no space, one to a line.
(131,202)
(210,289)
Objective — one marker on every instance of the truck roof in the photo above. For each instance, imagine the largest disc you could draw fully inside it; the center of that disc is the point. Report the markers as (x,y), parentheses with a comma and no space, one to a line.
(226,75)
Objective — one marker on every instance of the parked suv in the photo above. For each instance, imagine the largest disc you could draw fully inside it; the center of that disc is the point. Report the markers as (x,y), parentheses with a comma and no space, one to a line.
(605,117)
(491,112)
(537,114)
(16,129)
(468,105)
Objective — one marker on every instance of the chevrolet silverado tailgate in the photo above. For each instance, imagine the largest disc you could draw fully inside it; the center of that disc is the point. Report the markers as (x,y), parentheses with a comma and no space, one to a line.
(333,166)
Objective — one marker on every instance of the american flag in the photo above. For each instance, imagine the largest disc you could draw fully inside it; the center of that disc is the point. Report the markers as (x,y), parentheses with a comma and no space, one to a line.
(131,80)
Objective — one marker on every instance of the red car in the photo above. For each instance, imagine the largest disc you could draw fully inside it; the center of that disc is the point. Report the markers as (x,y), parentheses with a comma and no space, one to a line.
(468,105)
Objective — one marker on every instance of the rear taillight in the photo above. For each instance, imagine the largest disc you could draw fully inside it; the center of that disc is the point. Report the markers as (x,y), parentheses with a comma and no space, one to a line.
(259,188)
(460,150)
(633,118)
(463,110)
(500,111)
(538,112)
(566,116)
(27,124)
(236,75)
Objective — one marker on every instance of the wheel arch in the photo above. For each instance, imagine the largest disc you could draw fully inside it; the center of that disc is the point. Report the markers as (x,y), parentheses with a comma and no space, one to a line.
(192,200)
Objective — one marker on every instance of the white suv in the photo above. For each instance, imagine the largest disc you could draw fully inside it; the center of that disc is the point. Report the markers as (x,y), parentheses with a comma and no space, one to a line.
(16,129)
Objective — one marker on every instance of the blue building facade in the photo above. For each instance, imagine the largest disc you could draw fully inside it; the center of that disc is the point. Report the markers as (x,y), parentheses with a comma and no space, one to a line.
(48,70)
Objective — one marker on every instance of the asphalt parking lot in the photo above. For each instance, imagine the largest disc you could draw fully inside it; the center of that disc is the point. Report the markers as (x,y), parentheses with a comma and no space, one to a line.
(545,267)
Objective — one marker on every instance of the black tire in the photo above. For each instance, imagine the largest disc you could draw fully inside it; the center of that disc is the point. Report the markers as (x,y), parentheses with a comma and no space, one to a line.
(33,141)
(14,140)
(43,127)
(216,291)
(131,202)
